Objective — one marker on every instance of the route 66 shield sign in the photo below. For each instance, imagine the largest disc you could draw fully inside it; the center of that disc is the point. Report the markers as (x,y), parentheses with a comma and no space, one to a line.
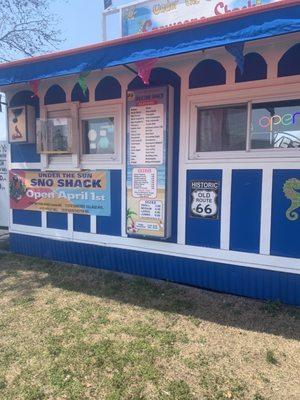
(204,199)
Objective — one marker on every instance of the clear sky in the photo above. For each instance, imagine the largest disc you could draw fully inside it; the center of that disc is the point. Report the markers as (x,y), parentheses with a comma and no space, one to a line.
(80,24)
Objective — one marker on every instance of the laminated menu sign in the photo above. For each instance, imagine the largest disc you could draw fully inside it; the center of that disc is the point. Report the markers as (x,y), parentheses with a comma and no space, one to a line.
(148,139)
(4,199)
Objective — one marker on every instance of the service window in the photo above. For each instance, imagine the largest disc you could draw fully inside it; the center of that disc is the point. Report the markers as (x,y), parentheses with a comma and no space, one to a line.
(100,134)
(221,128)
(276,125)
(240,129)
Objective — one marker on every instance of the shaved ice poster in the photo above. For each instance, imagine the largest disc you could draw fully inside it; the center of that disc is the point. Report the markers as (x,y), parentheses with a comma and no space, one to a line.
(85,193)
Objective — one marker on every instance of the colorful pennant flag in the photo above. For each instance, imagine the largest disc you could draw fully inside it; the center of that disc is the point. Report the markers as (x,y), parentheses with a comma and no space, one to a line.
(237,51)
(34,85)
(82,81)
(144,69)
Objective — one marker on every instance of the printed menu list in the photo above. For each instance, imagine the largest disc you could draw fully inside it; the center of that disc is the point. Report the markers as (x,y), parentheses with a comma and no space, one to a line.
(146,135)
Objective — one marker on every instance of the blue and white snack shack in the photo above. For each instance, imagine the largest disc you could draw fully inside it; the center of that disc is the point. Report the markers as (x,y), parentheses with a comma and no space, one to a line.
(172,152)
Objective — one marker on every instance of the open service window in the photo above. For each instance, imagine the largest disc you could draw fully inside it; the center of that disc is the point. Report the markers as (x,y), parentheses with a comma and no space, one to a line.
(244,128)
(100,134)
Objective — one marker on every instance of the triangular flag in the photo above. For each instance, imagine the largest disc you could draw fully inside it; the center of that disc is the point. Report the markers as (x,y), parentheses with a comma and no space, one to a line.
(237,51)
(144,69)
(82,81)
(34,85)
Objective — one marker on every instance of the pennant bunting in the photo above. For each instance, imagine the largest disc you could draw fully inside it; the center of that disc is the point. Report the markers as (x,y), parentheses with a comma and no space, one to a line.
(34,85)
(82,81)
(144,69)
(237,51)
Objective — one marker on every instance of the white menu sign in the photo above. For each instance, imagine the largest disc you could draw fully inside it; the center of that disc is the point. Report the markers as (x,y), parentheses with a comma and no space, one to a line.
(149,162)
(146,134)
(4,198)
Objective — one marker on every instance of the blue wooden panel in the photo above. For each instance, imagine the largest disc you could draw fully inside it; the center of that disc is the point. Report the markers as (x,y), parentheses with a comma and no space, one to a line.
(285,230)
(200,231)
(112,225)
(245,210)
(24,153)
(57,220)
(29,218)
(243,281)
(81,223)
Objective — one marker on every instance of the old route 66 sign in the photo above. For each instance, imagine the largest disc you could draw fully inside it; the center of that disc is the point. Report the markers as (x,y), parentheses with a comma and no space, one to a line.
(204,199)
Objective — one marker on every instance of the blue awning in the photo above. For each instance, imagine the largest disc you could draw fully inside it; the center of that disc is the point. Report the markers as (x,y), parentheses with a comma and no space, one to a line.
(254,26)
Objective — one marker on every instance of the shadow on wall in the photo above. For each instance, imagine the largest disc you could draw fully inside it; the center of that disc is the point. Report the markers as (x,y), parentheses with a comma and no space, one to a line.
(33,274)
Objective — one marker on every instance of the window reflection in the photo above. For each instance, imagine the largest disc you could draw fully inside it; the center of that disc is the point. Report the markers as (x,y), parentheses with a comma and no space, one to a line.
(276,125)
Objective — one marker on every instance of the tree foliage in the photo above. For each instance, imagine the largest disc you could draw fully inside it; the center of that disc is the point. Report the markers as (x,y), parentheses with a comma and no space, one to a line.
(27,28)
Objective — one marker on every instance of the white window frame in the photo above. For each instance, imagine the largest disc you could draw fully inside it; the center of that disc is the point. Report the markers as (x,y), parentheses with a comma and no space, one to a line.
(63,161)
(96,112)
(227,99)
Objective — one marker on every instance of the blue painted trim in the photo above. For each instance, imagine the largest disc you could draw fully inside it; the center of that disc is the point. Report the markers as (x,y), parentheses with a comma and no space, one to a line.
(27,217)
(112,225)
(285,233)
(243,281)
(81,223)
(24,153)
(57,220)
(245,210)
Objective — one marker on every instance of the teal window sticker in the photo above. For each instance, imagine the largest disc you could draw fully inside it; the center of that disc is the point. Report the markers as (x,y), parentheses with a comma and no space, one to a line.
(99,135)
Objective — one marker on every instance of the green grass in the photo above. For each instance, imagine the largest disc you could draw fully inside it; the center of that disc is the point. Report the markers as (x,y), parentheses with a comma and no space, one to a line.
(79,333)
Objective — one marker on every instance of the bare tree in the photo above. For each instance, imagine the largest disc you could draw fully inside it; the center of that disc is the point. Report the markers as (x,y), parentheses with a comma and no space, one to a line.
(27,28)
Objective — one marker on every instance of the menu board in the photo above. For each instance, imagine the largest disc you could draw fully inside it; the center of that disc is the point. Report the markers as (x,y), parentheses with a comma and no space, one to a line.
(4,202)
(149,157)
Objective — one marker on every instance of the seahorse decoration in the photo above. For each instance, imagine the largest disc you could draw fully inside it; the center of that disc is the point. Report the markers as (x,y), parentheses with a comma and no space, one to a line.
(291,190)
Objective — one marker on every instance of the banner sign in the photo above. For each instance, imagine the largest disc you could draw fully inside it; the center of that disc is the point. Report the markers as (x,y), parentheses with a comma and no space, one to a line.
(67,192)
(204,199)
(4,198)
(147,140)
(152,14)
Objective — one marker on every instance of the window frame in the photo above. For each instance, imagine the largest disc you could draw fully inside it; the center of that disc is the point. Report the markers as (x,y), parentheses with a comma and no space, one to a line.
(97,112)
(211,100)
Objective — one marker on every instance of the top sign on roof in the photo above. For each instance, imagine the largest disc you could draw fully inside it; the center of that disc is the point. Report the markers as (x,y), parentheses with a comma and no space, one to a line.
(153,14)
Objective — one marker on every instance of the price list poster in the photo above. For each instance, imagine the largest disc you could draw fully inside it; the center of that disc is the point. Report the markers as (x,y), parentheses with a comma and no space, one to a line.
(147,143)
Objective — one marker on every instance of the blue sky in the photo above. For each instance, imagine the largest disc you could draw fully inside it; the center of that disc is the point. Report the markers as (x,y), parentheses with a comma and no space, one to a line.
(80,25)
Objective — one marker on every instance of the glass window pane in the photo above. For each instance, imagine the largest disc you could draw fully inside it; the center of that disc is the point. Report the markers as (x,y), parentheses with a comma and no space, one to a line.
(221,128)
(276,125)
(99,136)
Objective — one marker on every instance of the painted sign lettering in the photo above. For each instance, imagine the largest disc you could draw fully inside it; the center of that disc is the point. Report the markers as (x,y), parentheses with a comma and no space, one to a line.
(66,192)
